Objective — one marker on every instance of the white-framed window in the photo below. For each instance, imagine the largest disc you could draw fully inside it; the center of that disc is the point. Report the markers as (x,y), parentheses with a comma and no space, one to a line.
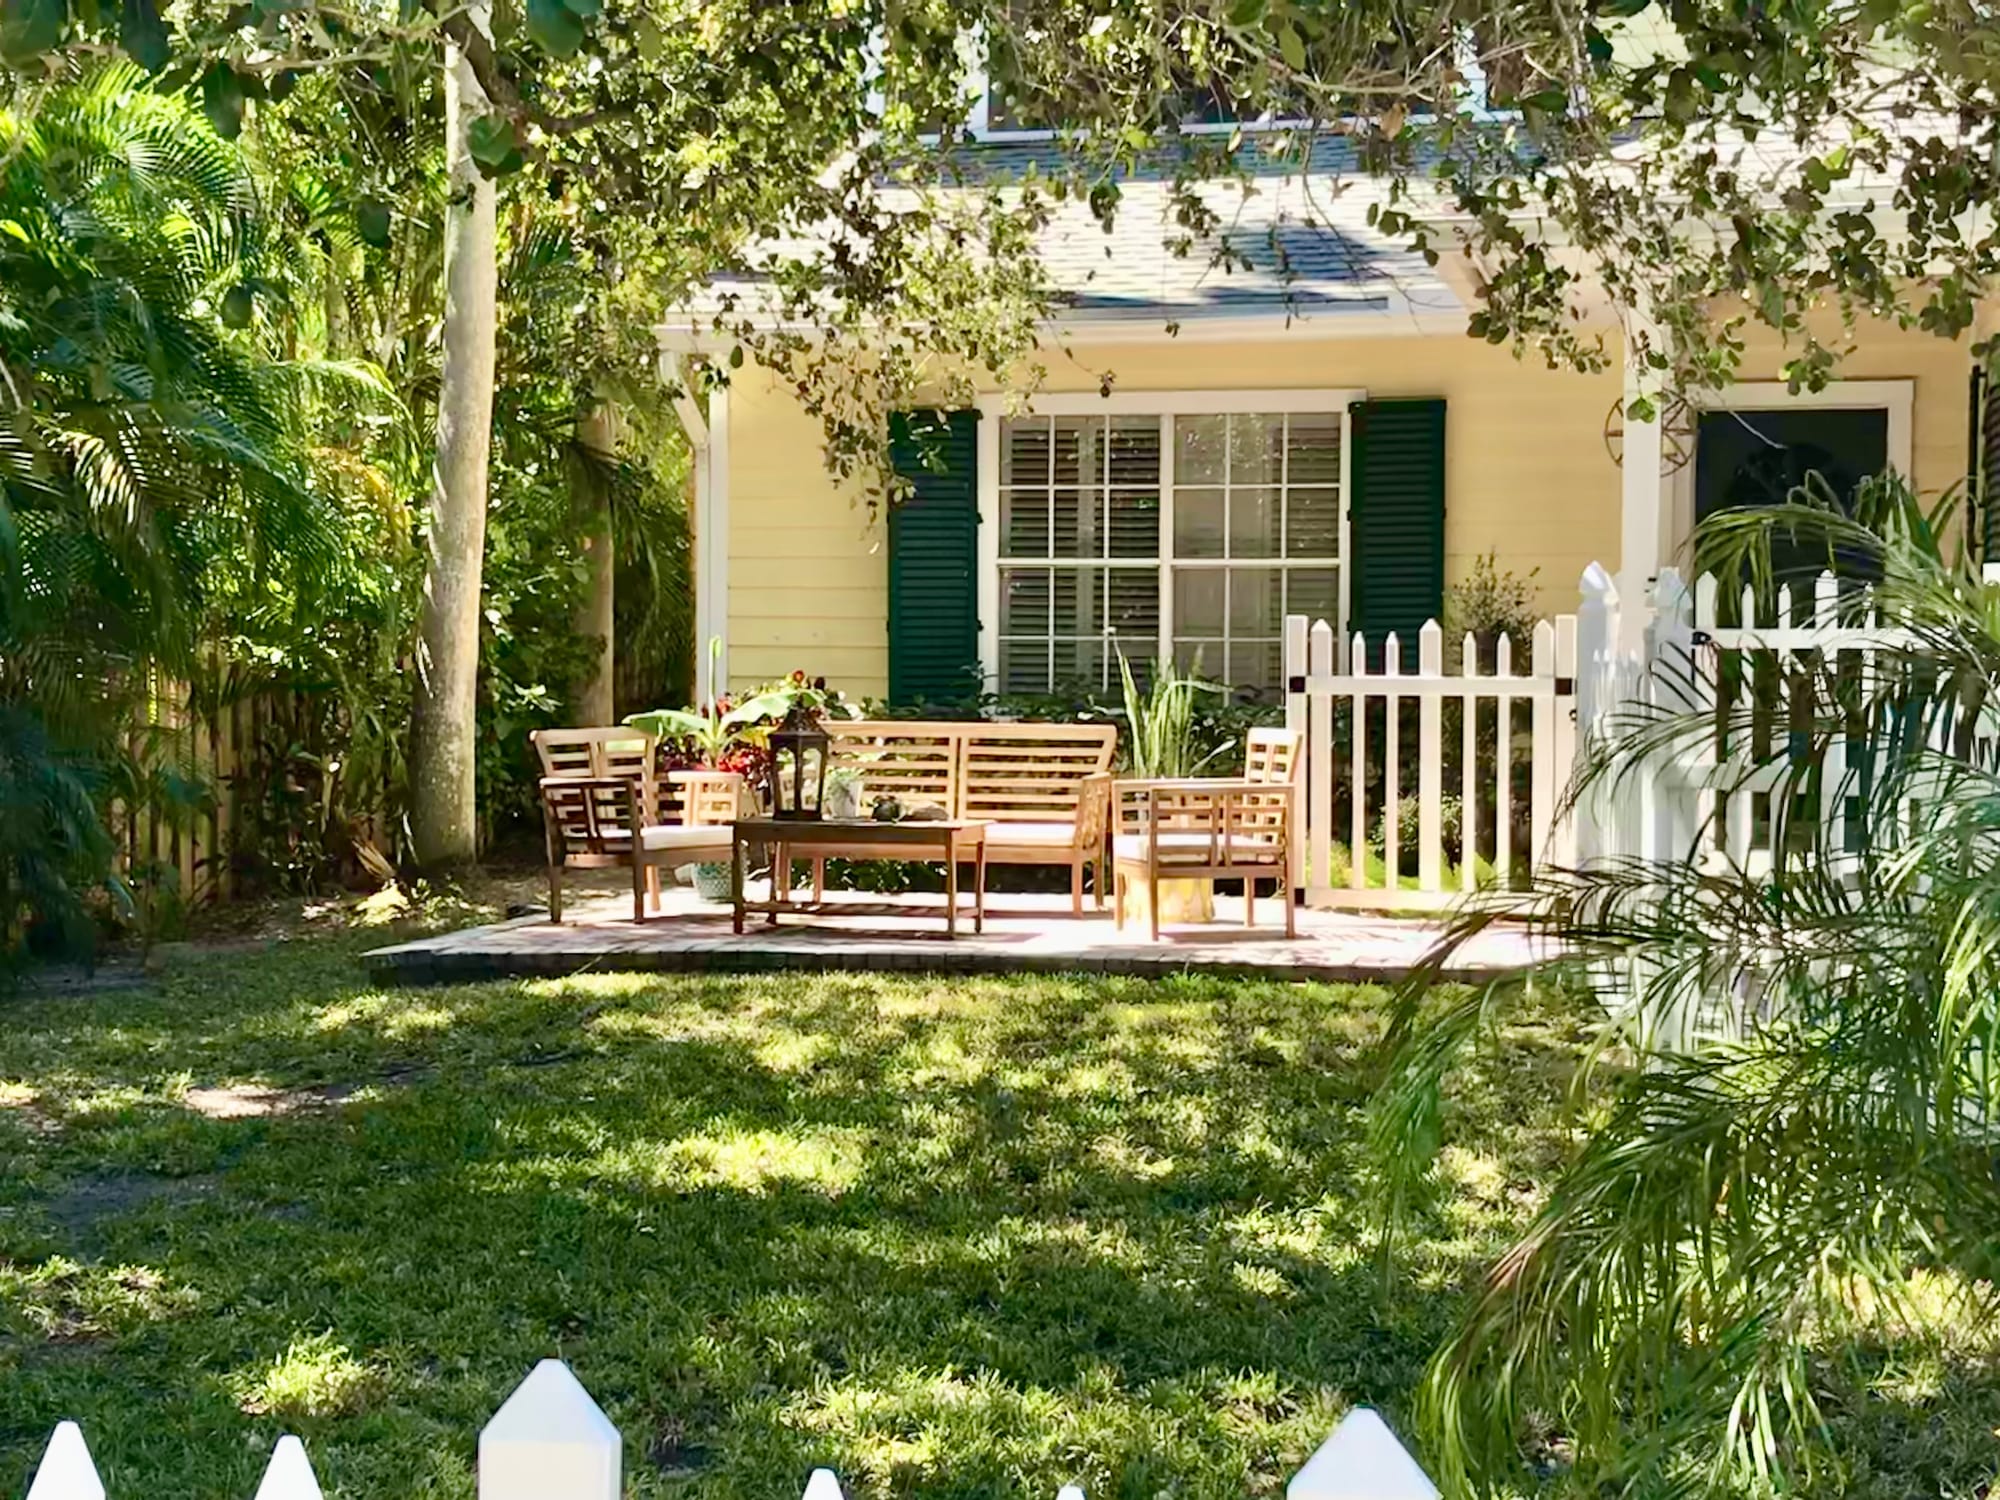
(1185,525)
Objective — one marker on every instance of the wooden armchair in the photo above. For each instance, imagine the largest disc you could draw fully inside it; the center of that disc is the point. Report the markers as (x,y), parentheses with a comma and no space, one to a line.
(601,810)
(598,797)
(1214,828)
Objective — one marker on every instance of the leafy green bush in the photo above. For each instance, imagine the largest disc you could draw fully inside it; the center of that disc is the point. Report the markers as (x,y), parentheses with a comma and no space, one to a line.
(1409,831)
(1489,602)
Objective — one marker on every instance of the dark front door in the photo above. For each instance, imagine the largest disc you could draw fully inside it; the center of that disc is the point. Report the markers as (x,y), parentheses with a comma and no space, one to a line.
(1746,459)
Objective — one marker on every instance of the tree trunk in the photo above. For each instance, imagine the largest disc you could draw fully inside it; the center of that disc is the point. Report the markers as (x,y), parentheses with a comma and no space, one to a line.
(443,793)
(596,615)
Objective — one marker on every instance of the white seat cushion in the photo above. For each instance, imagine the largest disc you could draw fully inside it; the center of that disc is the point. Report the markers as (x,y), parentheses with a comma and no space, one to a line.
(680,836)
(1031,835)
(1192,847)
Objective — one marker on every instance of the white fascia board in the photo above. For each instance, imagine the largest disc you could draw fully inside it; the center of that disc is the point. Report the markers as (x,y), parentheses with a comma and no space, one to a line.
(1436,311)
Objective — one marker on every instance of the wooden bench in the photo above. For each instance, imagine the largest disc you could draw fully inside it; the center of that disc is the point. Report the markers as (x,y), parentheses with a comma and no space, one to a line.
(1044,789)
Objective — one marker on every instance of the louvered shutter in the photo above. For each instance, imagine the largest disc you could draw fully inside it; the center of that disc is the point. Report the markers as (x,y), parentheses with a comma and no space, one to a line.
(1396,521)
(934,559)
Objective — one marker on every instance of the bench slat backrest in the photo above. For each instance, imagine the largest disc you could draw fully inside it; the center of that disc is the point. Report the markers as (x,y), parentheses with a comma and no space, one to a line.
(916,763)
(999,773)
(1031,773)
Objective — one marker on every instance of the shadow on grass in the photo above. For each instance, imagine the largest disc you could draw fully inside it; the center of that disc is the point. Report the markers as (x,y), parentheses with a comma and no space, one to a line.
(968,1237)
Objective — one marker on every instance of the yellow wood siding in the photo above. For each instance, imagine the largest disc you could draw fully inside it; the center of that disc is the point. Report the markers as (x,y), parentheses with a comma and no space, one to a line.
(808,581)
(1527,474)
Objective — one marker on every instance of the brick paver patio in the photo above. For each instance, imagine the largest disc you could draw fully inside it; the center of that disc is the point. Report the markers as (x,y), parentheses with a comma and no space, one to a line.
(1024,933)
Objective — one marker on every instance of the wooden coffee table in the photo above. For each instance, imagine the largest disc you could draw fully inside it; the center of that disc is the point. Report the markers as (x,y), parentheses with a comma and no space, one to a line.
(946,840)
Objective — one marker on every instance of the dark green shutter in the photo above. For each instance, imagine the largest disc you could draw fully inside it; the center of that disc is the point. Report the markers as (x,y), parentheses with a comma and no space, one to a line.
(934,559)
(1395,522)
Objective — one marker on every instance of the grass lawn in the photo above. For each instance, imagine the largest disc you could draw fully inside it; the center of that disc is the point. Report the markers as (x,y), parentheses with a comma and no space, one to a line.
(947,1237)
(963,1237)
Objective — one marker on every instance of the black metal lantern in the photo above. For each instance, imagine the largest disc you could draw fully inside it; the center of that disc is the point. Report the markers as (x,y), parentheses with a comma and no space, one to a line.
(799,750)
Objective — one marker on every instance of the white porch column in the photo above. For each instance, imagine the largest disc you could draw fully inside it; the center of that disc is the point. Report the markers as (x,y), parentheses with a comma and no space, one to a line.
(712,585)
(1643,509)
(708,519)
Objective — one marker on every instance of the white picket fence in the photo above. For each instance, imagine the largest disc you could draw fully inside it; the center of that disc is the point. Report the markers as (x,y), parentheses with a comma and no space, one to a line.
(1495,751)
(1487,803)
(551,1441)
(1729,798)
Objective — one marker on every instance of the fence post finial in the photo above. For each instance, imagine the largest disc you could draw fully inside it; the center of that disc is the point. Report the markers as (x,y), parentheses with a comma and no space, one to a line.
(289,1476)
(549,1438)
(823,1486)
(1070,1492)
(1363,1460)
(66,1472)
(1597,583)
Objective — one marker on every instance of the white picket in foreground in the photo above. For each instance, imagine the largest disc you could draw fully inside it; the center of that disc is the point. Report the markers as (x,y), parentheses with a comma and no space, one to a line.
(551,1441)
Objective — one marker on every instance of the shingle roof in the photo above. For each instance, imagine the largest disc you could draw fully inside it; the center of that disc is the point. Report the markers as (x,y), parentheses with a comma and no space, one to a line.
(1292,241)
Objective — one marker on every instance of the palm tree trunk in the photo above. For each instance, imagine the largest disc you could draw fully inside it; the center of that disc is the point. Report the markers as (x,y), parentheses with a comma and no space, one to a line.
(596,615)
(443,792)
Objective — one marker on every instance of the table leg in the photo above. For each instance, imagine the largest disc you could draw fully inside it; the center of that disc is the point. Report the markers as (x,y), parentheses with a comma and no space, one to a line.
(781,881)
(979,888)
(951,884)
(736,880)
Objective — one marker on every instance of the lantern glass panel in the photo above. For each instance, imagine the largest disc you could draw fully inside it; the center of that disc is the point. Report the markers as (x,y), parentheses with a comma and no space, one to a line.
(799,752)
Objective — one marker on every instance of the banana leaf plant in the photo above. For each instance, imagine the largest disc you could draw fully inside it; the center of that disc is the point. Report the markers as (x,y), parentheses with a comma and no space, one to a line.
(716,726)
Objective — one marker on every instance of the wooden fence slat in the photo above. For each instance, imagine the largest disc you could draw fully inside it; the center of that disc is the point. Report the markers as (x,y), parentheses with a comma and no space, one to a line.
(1357,849)
(1430,762)
(289,1476)
(1362,1458)
(1562,742)
(549,1438)
(1321,763)
(1468,770)
(1392,778)
(1542,783)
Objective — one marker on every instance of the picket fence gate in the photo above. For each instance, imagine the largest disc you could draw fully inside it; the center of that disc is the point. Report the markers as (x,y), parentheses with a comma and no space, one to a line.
(1755,675)
(551,1441)
(1487,803)
(1485,755)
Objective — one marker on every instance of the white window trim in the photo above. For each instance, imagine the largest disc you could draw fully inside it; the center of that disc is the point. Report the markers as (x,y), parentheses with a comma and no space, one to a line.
(1166,405)
(1896,397)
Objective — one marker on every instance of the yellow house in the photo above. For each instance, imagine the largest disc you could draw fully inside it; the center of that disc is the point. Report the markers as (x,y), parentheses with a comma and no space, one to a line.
(1312,433)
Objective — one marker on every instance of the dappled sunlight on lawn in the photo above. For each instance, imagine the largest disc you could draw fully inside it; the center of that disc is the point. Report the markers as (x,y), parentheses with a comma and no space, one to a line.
(972,1236)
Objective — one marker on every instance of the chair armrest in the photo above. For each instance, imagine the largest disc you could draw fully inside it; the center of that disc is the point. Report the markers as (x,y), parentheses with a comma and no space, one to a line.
(1093,810)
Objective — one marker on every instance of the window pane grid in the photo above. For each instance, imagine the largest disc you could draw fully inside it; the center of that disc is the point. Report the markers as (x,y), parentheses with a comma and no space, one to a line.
(1257,537)
(1085,567)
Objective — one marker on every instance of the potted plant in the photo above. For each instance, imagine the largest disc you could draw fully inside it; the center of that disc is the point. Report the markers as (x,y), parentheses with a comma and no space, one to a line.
(843,792)
(1160,743)
(724,734)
